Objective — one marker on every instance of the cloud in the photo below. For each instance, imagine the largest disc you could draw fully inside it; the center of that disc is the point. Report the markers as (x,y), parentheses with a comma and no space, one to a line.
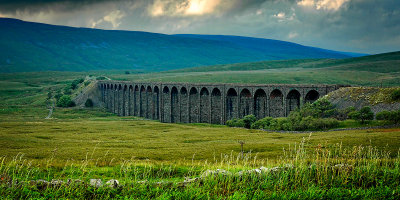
(333,5)
(114,18)
(183,8)
(292,35)
(370,26)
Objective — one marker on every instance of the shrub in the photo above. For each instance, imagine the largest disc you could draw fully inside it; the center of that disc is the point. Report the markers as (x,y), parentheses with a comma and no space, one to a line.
(89,103)
(101,78)
(363,115)
(393,116)
(249,120)
(263,123)
(127,72)
(57,96)
(87,83)
(384,115)
(395,95)
(235,123)
(65,101)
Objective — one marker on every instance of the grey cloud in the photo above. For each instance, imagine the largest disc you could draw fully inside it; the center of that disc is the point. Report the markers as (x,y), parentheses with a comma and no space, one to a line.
(369,26)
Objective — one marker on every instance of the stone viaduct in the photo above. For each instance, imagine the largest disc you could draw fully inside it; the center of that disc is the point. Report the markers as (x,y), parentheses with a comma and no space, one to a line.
(205,103)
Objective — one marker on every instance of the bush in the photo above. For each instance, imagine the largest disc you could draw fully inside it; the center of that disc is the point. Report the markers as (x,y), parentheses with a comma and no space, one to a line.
(58,96)
(100,78)
(263,123)
(235,123)
(395,95)
(249,120)
(363,115)
(127,72)
(87,83)
(65,101)
(89,103)
(393,116)
(384,115)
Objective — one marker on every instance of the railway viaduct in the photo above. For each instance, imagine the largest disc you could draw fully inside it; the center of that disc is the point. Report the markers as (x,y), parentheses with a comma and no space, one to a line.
(205,103)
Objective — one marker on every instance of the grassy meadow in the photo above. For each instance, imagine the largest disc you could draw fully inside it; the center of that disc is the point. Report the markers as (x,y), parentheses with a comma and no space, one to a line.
(152,159)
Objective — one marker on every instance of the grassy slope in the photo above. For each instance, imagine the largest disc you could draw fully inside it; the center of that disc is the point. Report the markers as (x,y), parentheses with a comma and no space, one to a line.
(382,69)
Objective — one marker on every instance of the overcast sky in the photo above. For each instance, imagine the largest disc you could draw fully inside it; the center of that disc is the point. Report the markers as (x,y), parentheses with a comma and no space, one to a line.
(365,26)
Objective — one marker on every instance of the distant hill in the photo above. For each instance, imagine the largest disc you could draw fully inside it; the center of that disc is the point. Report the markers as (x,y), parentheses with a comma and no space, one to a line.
(375,70)
(27,46)
(382,63)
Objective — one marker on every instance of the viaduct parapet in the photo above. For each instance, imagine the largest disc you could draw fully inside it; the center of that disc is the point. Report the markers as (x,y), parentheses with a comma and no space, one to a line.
(206,103)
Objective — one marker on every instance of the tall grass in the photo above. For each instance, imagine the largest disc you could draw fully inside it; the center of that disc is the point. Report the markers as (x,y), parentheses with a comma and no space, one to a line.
(300,172)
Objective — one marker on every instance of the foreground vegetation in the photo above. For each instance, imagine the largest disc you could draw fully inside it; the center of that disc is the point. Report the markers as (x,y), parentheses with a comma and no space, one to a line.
(301,172)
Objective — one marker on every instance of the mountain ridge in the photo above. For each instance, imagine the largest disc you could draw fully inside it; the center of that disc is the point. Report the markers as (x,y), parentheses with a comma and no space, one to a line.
(31,46)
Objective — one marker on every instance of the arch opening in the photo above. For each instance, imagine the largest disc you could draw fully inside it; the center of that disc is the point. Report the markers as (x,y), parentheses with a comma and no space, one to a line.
(292,101)
(260,104)
(312,96)
(175,113)
(231,104)
(245,103)
(166,105)
(276,104)
(193,106)
(156,103)
(216,106)
(184,111)
(204,106)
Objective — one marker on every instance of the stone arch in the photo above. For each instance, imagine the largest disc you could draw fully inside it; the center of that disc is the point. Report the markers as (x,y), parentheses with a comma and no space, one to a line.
(312,96)
(292,101)
(131,101)
(231,104)
(166,105)
(102,92)
(156,103)
(245,103)
(111,98)
(175,112)
(143,102)
(183,98)
(149,103)
(136,101)
(116,98)
(260,104)
(107,91)
(193,105)
(276,104)
(216,106)
(125,101)
(204,106)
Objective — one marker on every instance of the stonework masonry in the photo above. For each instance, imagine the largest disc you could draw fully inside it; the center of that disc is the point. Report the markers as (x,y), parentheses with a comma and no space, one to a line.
(206,103)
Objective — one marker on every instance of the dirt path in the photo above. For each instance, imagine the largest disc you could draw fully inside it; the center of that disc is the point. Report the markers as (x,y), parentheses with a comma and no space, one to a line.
(51,109)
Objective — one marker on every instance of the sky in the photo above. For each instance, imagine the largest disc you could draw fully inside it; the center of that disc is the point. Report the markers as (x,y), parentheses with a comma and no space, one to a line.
(364,26)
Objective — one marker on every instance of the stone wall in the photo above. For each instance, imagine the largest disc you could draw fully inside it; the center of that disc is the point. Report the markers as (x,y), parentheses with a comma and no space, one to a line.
(205,103)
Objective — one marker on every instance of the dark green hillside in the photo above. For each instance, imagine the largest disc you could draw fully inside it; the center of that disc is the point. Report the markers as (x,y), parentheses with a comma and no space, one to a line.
(27,46)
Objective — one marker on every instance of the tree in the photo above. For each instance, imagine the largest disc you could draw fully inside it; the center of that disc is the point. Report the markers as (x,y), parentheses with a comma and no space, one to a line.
(249,120)
(363,115)
(65,101)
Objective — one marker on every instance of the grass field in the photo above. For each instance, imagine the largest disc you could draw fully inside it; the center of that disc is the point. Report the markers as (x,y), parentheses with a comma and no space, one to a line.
(90,143)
